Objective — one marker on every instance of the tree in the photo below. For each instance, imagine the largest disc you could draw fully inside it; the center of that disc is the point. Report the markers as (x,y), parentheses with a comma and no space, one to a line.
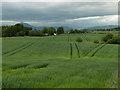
(21,33)
(15,30)
(32,33)
(60,30)
(111,39)
(51,31)
(19,25)
(5,31)
(107,37)
(27,29)
(44,30)
(38,33)
(114,40)
(35,33)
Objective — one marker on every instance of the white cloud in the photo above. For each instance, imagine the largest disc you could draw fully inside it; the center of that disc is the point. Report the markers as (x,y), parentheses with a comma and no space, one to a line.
(104,18)
(7,21)
(10,22)
(84,18)
(31,22)
(93,21)
(112,19)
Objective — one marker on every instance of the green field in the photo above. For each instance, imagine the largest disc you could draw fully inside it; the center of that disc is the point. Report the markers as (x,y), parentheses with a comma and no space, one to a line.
(59,62)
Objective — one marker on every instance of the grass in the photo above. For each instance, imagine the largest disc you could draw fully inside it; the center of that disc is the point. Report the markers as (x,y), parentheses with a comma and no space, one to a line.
(59,62)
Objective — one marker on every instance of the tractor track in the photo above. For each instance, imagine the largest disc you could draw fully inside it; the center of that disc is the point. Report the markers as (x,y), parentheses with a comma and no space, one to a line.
(21,49)
(15,48)
(92,50)
(71,48)
(97,50)
(68,39)
(71,51)
(77,50)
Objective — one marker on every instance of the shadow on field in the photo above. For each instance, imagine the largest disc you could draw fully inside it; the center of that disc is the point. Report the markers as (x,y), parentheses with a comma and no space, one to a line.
(19,66)
(41,66)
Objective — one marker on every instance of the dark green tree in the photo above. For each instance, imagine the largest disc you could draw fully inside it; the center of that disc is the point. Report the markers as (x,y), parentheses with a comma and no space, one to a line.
(51,31)
(21,33)
(107,37)
(32,33)
(15,30)
(114,40)
(60,30)
(27,29)
(44,30)
(35,33)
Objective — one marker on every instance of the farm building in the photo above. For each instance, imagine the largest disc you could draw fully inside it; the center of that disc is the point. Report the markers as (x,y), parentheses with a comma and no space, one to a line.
(46,34)
(55,34)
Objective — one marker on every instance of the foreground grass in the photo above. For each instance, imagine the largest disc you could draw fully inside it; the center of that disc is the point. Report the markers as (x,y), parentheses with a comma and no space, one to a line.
(78,73)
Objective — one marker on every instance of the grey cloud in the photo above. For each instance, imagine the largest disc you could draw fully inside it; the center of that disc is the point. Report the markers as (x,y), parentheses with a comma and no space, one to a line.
(47,13)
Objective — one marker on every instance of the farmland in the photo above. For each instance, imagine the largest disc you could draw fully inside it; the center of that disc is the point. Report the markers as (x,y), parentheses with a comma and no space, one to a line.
(59,62)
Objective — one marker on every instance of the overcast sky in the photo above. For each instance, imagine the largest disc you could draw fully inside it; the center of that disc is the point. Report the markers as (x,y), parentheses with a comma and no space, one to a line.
(60,0)
(71,14)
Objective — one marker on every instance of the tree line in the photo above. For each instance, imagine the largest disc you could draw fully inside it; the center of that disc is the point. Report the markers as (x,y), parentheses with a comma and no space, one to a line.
(109,39)
(111,29)
(72,31)
(20,30)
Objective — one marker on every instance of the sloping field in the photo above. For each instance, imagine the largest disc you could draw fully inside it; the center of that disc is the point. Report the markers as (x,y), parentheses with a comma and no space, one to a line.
(59,62)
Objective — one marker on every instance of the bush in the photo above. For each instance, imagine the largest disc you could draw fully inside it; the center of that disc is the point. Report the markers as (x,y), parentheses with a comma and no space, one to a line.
(96,41)
(107,37)
(101,42)
(79,39)
(101,33)
(114,40)
(110,39)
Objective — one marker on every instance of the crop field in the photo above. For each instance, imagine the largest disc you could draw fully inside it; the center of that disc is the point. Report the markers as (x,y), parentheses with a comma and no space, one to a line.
(59,62)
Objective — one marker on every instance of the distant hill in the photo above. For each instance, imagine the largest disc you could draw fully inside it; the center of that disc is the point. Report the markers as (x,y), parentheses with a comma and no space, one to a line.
(28,25)
(41,27)
(102,27)
(65,27)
